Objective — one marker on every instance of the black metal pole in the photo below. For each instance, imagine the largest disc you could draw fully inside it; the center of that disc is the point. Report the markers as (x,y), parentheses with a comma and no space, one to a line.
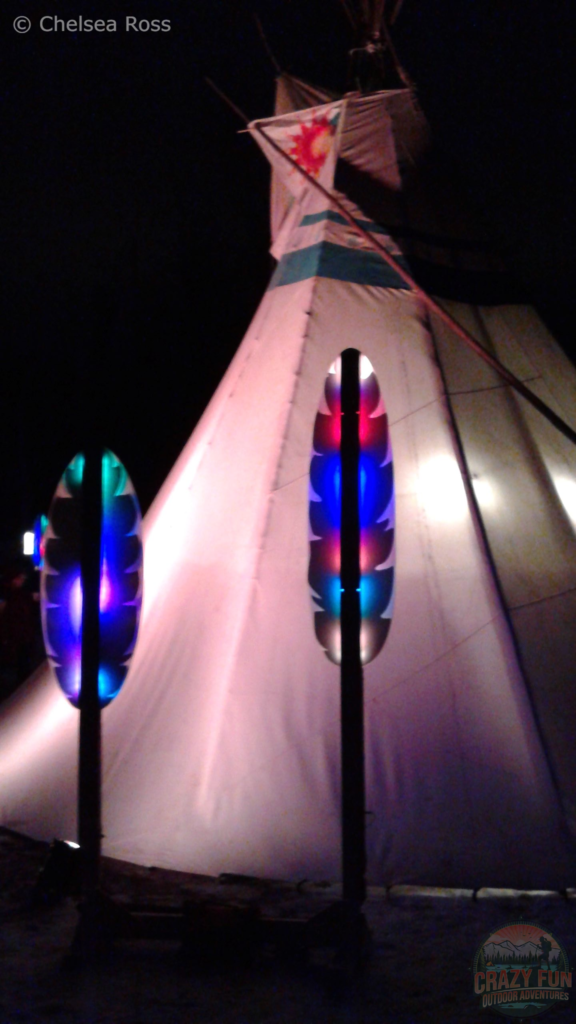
(89,782)
(352,697)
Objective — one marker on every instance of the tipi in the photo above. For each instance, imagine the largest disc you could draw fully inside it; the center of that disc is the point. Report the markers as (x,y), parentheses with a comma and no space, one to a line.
(222,750)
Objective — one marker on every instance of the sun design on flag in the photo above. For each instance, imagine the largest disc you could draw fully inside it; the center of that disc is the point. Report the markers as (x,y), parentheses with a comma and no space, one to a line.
(310,148)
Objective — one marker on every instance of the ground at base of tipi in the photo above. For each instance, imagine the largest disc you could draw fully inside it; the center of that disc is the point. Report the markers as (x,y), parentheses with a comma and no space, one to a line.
(420,969)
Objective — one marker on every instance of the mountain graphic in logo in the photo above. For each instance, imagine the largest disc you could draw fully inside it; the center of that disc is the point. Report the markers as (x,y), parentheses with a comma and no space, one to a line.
(497,951)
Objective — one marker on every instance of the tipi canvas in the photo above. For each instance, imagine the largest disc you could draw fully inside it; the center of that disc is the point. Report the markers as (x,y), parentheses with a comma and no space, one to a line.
(221,753)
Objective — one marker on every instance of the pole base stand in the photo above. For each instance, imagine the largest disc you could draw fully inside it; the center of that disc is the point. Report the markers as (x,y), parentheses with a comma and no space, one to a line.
(94,935)
(343,928)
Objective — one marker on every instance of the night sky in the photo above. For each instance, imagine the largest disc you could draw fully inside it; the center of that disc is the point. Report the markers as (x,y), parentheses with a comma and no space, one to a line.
(134,223)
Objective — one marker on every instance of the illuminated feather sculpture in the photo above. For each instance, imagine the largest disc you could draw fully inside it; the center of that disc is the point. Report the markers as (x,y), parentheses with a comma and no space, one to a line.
(120,579)
(376,498)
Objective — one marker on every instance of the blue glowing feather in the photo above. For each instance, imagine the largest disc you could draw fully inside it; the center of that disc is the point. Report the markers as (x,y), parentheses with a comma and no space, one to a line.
(120,579)
(376,500)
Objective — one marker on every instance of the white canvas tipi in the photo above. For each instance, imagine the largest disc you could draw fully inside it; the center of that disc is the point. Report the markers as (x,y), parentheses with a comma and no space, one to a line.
(222,750)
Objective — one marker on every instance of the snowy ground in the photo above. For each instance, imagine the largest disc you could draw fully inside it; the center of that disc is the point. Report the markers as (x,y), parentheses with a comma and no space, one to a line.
(420,969)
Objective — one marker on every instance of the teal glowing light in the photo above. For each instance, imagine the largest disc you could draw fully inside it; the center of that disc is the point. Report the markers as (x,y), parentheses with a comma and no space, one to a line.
(334,596)
(74,473)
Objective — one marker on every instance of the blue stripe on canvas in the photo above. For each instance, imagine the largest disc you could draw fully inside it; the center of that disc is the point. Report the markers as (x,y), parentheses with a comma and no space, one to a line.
(337,218)
(325,259)
(360,266)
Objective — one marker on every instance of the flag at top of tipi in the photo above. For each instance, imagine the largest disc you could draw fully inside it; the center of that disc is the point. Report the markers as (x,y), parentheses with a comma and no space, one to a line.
(310,139)
(222,750)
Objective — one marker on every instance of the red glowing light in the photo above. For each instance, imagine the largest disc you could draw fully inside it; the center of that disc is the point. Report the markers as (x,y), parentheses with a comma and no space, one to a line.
(366,557)
(364,427)
(334,554)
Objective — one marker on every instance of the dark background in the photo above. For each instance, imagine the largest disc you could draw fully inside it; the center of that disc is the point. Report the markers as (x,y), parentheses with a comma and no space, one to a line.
(134,223)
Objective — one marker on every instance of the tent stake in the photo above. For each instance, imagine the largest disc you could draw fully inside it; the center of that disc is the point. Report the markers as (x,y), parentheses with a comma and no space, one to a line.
(266,44)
